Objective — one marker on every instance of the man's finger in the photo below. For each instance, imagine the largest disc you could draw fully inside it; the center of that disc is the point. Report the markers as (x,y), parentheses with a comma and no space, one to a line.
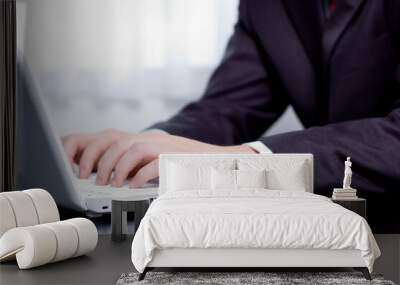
(70,147)
(91,155)
(138,155)
(73,144)
(145,174)
(108,161)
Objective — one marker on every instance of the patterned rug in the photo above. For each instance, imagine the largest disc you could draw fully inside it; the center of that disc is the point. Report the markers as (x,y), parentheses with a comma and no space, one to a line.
(268,278)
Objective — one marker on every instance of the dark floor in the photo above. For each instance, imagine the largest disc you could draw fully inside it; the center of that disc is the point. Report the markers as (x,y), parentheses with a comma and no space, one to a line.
(102,266)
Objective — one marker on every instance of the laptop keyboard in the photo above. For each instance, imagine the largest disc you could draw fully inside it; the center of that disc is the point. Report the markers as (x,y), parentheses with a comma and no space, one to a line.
(90,188)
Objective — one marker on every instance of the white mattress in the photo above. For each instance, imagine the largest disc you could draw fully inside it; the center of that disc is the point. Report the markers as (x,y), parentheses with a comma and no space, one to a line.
(250,219)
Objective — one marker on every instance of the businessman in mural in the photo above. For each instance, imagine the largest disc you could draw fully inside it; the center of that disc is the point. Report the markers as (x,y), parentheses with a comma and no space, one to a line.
(336,62)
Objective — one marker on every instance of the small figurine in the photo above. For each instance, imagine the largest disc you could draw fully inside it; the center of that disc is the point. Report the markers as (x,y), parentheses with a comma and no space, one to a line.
(347,192)
(347,174)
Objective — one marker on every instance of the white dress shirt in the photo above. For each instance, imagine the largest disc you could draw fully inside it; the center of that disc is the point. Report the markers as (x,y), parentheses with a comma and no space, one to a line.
(257,145)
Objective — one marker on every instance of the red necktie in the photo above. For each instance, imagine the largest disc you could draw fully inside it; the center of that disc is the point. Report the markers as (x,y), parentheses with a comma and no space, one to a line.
(331,7)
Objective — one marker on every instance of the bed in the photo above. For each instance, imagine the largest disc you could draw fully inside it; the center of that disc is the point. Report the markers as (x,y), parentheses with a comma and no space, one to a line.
(247,211)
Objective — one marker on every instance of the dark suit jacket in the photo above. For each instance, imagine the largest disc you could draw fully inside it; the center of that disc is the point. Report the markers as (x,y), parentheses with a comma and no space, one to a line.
(342,78)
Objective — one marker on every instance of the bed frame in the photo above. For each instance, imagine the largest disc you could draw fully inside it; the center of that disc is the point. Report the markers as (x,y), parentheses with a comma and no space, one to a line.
(260,259)
(242,259)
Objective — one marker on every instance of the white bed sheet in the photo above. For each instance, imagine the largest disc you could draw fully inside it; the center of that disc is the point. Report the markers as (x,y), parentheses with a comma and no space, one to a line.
(250,219)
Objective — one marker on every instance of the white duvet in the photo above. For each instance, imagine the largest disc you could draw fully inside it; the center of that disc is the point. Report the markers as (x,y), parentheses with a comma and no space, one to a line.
(250,219)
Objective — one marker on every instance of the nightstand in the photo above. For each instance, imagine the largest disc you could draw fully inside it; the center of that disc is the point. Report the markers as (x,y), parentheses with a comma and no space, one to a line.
(119,221)
(358,205)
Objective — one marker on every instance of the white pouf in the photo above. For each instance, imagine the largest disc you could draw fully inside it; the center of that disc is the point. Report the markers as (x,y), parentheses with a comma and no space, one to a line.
(40,244)
(31,231)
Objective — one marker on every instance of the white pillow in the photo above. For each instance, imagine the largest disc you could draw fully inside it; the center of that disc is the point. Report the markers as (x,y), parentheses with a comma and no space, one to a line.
(223,179)
(251,178)
(184,177)
(281,174)
(292,179)
(237,179)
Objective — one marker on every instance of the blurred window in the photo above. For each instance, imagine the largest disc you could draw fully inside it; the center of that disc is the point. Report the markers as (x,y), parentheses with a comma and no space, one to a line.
(124,63)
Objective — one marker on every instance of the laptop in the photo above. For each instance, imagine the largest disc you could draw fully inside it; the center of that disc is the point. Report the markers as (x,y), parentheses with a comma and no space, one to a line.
(42,162)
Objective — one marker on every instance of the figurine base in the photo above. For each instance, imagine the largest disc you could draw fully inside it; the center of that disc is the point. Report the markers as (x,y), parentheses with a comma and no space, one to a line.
(350,190)
(344,194)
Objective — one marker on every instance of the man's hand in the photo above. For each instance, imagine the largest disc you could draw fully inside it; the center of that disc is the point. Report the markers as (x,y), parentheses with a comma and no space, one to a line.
(131,155)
